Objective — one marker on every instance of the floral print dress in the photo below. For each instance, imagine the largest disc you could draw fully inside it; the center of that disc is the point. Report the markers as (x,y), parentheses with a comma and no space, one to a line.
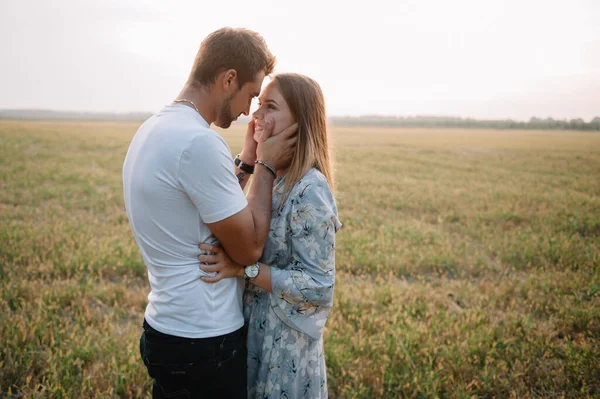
(285,328)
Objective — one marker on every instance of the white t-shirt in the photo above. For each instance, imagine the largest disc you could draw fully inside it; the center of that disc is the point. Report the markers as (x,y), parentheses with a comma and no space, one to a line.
(178,175)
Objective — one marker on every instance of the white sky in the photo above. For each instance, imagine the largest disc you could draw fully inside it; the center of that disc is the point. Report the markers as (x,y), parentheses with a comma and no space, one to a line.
(475,58)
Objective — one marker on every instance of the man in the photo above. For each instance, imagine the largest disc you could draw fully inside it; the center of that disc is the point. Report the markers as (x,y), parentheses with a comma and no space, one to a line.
(180,190)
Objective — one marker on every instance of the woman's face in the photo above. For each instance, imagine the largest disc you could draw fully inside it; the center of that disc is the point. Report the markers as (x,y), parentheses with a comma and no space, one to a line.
(272,105)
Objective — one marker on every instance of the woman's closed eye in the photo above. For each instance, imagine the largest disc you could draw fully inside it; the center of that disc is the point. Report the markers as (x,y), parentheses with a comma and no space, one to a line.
(269,106)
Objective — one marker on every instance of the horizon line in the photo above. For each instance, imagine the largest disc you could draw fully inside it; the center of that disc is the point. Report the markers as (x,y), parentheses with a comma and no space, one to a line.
(346,116)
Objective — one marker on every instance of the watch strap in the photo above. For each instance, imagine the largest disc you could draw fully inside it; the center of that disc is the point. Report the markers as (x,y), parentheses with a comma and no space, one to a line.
(241,165)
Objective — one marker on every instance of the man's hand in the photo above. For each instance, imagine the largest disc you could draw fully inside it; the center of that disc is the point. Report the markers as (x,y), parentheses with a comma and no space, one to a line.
(277,151)
(218,262)
(248,154)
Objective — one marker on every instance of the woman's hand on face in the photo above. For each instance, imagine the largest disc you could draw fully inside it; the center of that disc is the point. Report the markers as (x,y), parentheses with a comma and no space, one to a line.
(277,150)
(218,262)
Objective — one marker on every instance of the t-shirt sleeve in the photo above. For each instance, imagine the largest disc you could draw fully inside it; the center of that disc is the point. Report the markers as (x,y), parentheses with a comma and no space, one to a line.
(206,173)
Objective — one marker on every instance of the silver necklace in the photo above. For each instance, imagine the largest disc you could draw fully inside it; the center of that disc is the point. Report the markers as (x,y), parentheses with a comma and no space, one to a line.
(183,100)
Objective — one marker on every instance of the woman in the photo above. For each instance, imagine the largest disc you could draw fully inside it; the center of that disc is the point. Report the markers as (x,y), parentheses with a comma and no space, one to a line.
(287,304)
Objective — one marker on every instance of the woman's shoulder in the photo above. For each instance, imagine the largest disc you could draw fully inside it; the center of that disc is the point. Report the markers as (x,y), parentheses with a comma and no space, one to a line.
(313,178)
(315,175)
(312,199)
(312,184)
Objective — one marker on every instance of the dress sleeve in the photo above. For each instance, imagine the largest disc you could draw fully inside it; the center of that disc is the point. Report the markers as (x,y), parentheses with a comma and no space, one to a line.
(303,291)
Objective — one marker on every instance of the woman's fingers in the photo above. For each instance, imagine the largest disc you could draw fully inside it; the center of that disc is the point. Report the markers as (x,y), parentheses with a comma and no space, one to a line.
(268,130)
(217,262)
(212,279)
(209,258)
(290,131)
(250,128)
(210,248)
(211,268)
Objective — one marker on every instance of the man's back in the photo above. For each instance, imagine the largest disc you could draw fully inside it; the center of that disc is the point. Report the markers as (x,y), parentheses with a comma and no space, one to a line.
(178,176)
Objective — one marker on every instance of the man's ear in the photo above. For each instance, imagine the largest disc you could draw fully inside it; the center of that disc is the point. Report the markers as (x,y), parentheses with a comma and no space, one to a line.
(229,80)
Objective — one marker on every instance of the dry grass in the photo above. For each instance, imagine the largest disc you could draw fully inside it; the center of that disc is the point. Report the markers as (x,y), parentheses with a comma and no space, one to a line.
(468,265)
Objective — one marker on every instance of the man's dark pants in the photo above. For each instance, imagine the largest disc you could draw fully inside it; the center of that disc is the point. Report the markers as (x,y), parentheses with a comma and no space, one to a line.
(195,368)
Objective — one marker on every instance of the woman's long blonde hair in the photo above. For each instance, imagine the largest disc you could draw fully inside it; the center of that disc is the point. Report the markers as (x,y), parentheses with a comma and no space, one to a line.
(307,104)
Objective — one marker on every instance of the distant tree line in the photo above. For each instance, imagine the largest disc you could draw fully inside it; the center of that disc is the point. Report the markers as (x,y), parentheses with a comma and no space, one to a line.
(42,114)
(456,122)
(366,120)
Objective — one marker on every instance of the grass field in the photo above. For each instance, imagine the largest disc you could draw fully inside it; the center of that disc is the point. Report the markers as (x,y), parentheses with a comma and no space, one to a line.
(469,264)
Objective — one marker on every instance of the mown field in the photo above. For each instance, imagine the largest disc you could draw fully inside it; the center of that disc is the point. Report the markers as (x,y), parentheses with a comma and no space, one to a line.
(469,264)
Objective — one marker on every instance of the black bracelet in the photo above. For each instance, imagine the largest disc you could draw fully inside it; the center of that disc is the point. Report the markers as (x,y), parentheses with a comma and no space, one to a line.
(240,176)
(243,166)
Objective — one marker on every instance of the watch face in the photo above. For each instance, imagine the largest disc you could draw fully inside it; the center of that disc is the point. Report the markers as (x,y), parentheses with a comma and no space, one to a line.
(251,271)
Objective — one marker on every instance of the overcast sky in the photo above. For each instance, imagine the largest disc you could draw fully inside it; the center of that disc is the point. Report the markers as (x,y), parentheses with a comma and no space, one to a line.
(469,58)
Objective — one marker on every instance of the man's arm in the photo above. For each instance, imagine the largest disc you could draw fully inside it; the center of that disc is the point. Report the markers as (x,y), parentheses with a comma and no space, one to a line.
(244,234)
(248,155)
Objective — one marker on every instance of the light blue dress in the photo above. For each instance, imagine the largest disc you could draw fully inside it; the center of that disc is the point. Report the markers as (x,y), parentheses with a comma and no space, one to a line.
(285,328)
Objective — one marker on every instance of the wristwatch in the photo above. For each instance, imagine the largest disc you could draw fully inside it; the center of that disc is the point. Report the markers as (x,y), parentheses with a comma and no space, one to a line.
(241,165)
(250,272)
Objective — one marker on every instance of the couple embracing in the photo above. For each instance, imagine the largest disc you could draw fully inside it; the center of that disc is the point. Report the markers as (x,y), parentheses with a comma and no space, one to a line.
(241,285)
